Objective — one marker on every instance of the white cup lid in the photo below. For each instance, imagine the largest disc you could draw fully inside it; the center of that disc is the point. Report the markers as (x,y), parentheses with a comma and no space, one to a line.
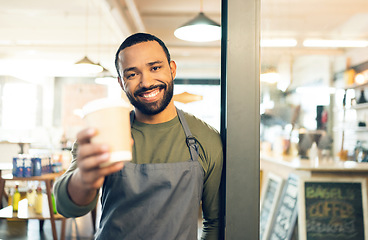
(103,103)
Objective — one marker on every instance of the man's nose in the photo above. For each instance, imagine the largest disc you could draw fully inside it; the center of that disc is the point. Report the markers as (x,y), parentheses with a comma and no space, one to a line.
(146,79)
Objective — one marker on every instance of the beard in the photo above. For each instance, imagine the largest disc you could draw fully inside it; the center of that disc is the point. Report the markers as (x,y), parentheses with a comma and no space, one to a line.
(155,107)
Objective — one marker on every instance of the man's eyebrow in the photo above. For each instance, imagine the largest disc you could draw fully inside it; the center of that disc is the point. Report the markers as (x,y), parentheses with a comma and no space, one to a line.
(129,69)
(153,63)
(149,64)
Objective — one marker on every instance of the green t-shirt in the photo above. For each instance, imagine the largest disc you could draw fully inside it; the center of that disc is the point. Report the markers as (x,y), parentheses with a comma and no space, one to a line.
(165,143)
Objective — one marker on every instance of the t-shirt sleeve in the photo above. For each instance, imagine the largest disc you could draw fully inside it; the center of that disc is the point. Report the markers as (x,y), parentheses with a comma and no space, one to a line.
(211,197)
(64,204)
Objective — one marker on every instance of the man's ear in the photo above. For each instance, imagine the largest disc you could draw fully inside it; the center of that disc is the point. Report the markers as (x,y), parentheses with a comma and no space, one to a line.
(173,69)
(121,83)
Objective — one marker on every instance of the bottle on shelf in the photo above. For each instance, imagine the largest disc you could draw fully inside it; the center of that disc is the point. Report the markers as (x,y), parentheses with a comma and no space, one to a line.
(53,203)
(358,151)
(362,98)
(313,154)
(31,195)
(353,102)
(16,198)
(362,123)
(38,201)
(10,197)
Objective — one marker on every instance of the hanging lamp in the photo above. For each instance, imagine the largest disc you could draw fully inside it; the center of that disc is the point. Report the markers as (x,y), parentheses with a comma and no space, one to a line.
(105,77)
(85,65)
(199,29)
(186,97)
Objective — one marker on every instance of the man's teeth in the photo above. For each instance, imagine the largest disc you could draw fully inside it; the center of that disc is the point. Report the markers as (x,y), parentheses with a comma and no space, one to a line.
(151,94)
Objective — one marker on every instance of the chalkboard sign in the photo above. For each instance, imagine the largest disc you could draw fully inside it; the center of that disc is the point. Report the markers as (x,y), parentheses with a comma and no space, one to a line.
(270,194)
(283,223)
(333,209)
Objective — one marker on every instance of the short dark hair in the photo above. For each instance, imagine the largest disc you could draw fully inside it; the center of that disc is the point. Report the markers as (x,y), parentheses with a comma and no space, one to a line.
(139,38)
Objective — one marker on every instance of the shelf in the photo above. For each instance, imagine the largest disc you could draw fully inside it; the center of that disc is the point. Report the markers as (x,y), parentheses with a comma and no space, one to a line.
(355,129)
(43,177)
(360,106)
(351,129)
(27,212)
(330,165)
(357,86)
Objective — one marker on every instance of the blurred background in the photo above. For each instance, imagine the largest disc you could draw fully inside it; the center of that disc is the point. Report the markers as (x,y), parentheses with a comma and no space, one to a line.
(42,88)
(314,70)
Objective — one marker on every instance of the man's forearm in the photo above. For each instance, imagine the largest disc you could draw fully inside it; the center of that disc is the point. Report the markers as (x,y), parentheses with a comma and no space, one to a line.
(77,191)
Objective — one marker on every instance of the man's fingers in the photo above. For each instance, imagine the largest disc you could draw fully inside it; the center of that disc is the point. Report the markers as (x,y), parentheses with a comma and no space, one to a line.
(93,162)
(94,177)
(90,156)
(114,167)
(87,150)
(85,135)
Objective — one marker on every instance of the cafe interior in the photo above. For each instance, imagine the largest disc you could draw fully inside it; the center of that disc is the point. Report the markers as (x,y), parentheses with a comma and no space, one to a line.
(56,56)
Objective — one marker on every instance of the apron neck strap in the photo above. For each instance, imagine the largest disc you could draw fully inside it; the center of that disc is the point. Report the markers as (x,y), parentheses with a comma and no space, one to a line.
(132,116)
(190,139)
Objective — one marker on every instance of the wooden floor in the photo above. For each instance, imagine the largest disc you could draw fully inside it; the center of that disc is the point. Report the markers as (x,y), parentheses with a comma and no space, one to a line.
(29,230)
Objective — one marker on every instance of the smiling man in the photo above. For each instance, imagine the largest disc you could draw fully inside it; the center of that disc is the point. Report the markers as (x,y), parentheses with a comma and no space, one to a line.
(176,165)
(146,75)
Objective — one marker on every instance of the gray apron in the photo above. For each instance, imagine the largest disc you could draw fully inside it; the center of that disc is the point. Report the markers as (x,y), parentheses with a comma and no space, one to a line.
(153,201)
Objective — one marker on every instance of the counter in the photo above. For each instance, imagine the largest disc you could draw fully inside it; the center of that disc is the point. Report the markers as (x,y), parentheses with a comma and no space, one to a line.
(295,164)
(330,194)
(284,165)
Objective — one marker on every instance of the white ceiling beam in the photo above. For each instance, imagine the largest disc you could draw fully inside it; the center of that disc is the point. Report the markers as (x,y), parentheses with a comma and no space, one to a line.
(115,11)
(135,15)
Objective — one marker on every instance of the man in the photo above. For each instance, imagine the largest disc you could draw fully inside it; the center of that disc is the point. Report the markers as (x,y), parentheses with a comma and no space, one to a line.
(177,159)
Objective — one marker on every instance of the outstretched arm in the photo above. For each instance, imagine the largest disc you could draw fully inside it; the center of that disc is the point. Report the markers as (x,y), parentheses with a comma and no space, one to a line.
(76,191)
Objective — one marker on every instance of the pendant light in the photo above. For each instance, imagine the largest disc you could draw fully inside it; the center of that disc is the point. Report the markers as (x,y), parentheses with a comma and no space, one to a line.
(85,65)
(186,97)
(199,29)
(105,78)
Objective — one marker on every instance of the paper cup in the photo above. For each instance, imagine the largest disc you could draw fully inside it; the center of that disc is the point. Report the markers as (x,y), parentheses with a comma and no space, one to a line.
(111,119)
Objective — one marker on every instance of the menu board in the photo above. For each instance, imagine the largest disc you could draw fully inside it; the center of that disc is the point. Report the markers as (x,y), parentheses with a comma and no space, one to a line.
(283,223)
(333,209)
(269,198)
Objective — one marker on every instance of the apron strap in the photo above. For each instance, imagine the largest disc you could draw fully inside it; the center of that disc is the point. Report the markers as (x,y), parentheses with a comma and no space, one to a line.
(131,118)
(190,139)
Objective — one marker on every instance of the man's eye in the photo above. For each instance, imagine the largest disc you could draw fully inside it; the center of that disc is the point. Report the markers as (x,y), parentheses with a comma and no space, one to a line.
(156,68)
(130,75)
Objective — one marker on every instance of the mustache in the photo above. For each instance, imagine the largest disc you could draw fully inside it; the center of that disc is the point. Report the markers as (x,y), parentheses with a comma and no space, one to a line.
(144,89)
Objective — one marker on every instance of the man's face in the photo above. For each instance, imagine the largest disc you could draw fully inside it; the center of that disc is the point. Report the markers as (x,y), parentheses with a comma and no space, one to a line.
(147,77)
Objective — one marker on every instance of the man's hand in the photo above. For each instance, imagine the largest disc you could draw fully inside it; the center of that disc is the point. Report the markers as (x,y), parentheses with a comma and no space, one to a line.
(89,177)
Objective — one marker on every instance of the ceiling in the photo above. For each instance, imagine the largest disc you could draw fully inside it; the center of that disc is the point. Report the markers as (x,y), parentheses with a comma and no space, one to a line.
(48,36)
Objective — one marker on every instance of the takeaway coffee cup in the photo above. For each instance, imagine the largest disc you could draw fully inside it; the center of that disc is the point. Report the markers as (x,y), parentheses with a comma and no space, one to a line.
(111,119)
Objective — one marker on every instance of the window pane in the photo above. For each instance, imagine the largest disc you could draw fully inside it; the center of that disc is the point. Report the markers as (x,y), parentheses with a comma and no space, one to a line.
(210,95)
(19,106)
